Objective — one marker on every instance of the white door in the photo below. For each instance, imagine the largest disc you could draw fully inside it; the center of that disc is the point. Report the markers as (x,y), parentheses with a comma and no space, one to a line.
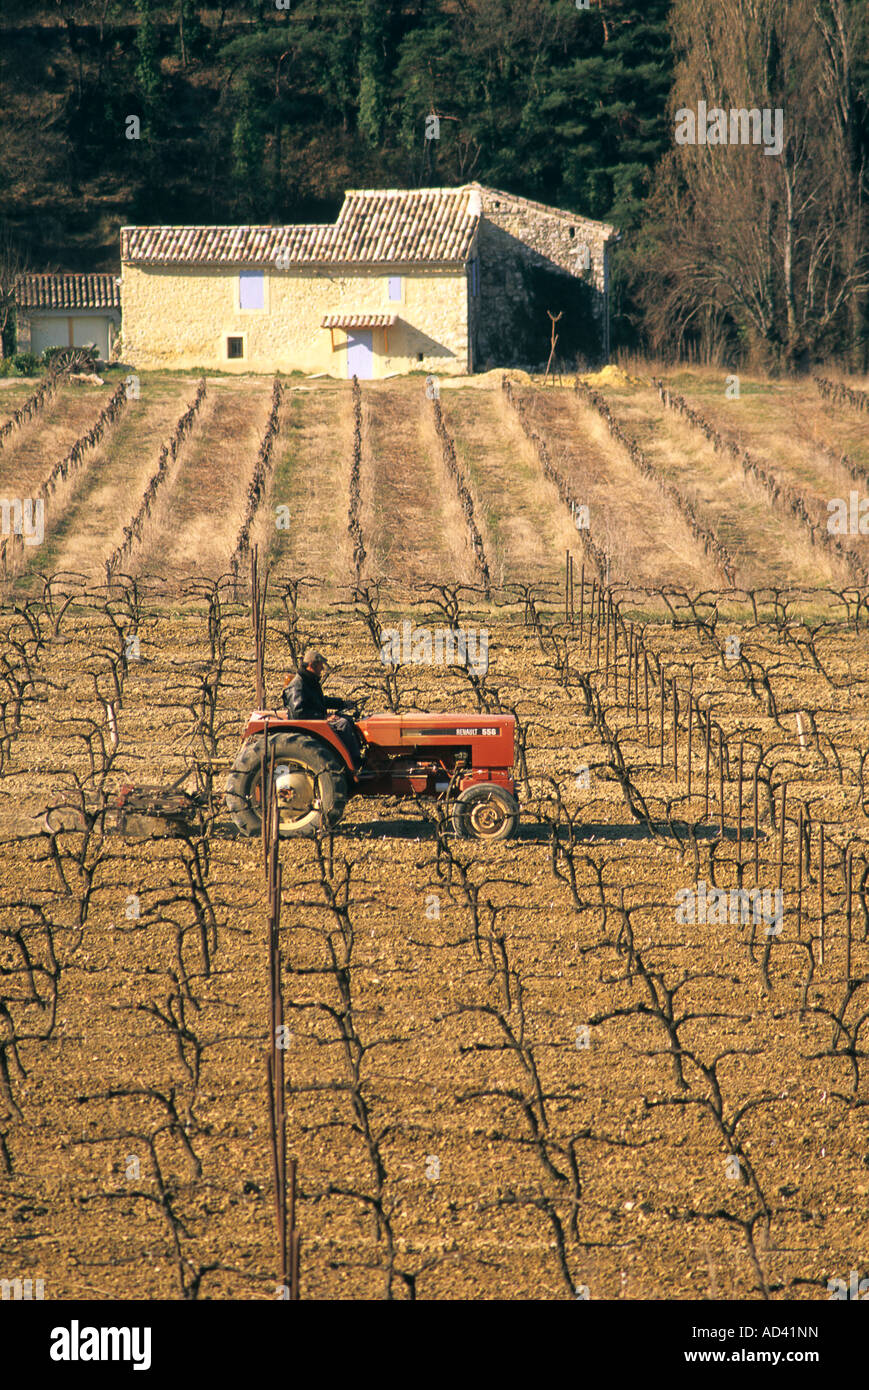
(360,353)
(48,331)
(92,328)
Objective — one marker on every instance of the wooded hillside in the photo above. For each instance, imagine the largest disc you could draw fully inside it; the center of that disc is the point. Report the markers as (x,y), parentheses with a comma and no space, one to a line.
(250,112)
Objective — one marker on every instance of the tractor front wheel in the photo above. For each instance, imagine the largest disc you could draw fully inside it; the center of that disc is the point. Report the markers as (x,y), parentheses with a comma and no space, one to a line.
(310,785)
(485,812)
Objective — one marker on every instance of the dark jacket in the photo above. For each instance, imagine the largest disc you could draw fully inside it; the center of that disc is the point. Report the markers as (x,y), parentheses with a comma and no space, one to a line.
(304,698)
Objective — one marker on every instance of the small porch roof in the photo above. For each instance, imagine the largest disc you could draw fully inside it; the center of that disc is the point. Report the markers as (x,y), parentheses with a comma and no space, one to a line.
(359,320)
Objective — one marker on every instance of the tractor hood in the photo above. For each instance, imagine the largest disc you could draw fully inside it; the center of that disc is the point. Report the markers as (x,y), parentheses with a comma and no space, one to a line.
(490,737)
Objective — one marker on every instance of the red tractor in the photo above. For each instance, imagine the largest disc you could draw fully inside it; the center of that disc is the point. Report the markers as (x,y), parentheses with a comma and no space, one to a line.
(407,755)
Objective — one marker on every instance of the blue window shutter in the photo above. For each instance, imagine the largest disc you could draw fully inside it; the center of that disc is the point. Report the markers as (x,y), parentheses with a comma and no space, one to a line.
(395,287)
(251,289)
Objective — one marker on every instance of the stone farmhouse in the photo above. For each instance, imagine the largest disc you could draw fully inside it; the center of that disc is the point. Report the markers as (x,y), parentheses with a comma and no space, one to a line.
(67,310)
(441,280)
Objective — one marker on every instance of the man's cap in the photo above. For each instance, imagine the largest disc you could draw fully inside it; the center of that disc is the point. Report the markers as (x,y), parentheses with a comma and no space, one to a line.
(311,656)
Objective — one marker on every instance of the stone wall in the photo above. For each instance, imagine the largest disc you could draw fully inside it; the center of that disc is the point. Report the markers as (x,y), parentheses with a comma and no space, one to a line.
(181,316)
(531,260)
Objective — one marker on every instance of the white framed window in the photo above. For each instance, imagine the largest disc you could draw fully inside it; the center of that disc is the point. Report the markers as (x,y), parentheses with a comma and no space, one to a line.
(251,289)
(395,289)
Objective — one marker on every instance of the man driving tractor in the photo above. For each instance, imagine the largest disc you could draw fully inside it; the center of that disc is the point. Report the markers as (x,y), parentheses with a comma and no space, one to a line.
(304,698)
(463,760)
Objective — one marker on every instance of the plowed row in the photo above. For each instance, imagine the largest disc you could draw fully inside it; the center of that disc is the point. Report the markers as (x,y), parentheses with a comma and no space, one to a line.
(411,520)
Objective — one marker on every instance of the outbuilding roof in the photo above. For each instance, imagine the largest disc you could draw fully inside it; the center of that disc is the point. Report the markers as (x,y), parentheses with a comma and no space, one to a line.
(68,291)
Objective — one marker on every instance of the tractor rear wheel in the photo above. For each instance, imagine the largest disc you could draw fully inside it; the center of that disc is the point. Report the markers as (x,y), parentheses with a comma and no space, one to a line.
(310,784)
(485,812)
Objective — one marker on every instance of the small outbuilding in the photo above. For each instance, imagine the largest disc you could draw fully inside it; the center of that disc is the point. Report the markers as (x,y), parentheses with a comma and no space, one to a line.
(443,280)
(68,310)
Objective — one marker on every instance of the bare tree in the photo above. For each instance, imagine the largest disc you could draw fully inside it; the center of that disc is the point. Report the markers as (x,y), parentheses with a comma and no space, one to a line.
(839,24)
(771,240)
(13,264)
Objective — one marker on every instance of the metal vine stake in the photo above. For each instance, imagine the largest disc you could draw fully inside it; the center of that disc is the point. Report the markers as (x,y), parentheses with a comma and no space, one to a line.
(285,1208)
(258,623)
(285,1200)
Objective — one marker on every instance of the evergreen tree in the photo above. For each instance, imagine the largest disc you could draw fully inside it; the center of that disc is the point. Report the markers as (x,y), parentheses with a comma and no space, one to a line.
(148,76)
(247,151)
(373,53)
(192,35)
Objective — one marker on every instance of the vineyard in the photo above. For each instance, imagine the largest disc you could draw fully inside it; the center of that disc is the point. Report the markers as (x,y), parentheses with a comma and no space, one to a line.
(623,1055)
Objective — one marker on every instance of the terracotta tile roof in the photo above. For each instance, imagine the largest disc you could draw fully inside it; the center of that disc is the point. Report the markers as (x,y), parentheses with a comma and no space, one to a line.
(69,291)
(225,245)
(359,320)
(379,227)
(423,224)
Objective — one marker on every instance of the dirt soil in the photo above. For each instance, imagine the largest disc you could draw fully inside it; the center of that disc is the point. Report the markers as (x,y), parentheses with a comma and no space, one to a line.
(514,1070)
